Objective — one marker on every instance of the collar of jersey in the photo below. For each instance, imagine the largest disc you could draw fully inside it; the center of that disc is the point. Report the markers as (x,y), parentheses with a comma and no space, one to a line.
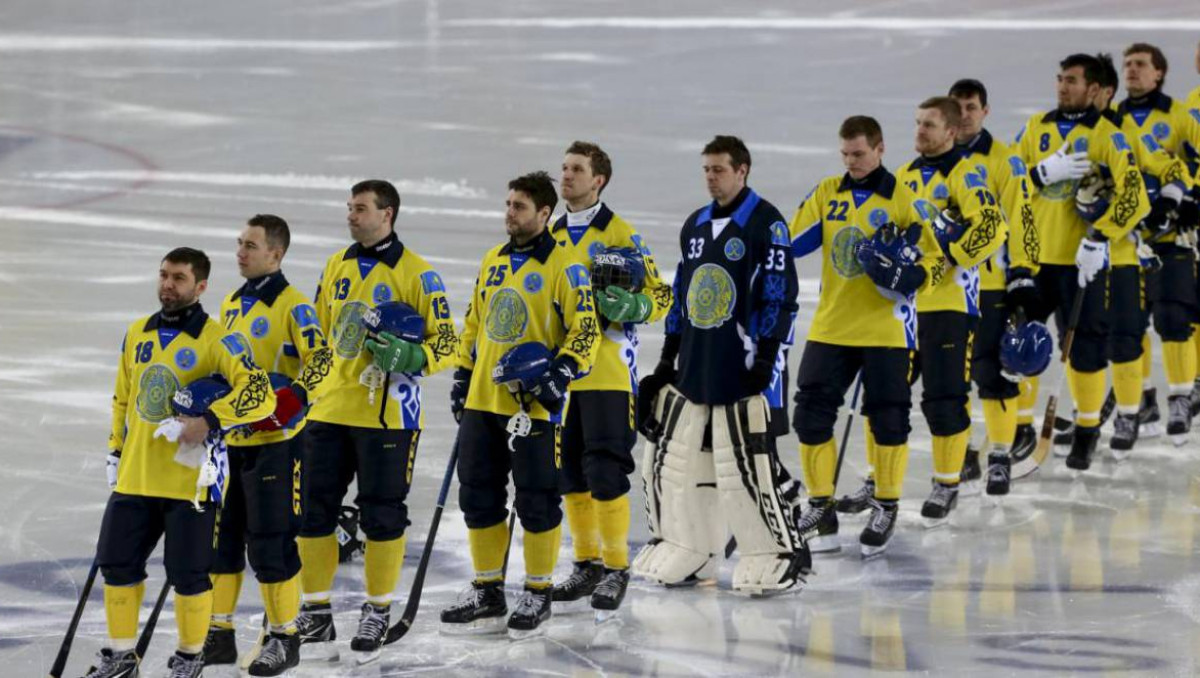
(1088,120)
(944,163)
(599,220)
(266,289)
(880,182)
(389,250)
(1156,99)
(192,323)
(738,211)
(539,249)
(982,144)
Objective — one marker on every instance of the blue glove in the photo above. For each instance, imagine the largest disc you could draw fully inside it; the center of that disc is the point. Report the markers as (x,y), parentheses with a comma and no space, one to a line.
(458,392)
(551,388)
(947,229)
(891,262)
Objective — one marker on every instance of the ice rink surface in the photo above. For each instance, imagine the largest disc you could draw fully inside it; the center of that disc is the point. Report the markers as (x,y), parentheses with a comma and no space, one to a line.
(128,128)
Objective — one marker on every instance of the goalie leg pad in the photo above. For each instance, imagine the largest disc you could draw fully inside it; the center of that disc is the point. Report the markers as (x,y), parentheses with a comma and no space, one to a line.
(752,498)
(681,503)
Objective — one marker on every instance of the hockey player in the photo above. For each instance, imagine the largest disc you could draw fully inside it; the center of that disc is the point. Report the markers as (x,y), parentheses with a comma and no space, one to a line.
(1006,286)
(154,481)
(261,514)
(369,420)
(969,227)
(598,428)
(865,323)
(530,294)
(712,458)
(1062,146)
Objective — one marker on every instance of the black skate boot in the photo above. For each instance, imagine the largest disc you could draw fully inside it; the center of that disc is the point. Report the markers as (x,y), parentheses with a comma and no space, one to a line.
(280,652)
(999,472)
(609,593)
(859,501)
(185,665)
(1064,435)
(968,477)
(583,580)
(878,532)
(1179,419)
(316,630)
(220,647)
(1149,418)
(482,610)
(940,503)
(819,525)
(1024,443)
(115,665)
(1086,439)
(1125,435)
(1194,397)
(532,610)
(373,623)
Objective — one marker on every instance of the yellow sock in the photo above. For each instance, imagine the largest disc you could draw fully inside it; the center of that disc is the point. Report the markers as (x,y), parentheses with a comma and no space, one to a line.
(319,560)
(121,607)
(381,568)
(1147,358)
(1001,419)
(226,589)
(1087,390)
(948,454)
(613,516)
(488,545)
(541,554)
(282,600)
(1027,400)
(191,618)
(581,519)
(1180,362)
(889,474)
(1196,343)
(1127,385)
(872,454)
(819,463)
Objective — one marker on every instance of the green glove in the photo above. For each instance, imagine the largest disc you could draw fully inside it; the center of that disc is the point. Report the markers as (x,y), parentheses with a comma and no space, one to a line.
(622,306)
(393,354)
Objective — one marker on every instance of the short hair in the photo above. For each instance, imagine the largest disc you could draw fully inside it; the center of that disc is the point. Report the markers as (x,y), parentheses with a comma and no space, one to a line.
(862,126)
(967,88)
(1092,70)
(1108,71)
(1157,58)
(275,228)
(738,153)
(386,194)
(195,258)
(539,187)
(601,163)
(949,108)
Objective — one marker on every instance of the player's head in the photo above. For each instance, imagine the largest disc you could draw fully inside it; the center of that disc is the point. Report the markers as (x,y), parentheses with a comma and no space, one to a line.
(862,145)
(938,119)
(972,100)
(262,244)
(1078,81)
(1145,68)
(371,210)
(1109,82)
(726,167)
(586,171)
(531,199)
(182,278)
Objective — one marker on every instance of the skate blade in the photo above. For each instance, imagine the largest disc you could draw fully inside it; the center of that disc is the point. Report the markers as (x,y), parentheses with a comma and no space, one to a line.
(572,607)
(1153,430)
(1119,455)
(604,616)
(479,627)
(1062,450)
(364,658)
(870,552)
(325,651)
(525,634)
(828,543)
(1179,439)
(969,488)
(935,523)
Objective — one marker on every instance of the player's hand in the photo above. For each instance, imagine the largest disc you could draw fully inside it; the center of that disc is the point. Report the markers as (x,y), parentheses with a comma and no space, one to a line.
(112,463)
(195,430)
(1163,210)
(622,306)
(1091,258)
(647,393)
(458,392)
(890,272)
(948,228)
(551,388)
(1148,259)
(393,354)
(1189,213)
(1063,166)
(288,404)
(1021,294)
(762,370)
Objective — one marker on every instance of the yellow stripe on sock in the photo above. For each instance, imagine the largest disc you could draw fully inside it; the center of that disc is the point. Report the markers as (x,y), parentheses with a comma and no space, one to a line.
(1087,390)
(226,590)
(948,455)
(541,555)
(1180,362)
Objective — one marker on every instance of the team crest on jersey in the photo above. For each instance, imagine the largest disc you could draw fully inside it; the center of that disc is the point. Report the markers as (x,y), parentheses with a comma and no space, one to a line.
(842,253)
(577,275)
(1018,167)
(155,389)
(235,343)
(1081,144)
(260,327)
(533,282)
(779,234)
(595,249)
(348,330)
(304,315)
(185,359)
(1063,190)
(381,294)
(926,209)
(878,217)
(711,297)
(1161,130)
(735,249)
(432,282)
(507,316)
(940,192)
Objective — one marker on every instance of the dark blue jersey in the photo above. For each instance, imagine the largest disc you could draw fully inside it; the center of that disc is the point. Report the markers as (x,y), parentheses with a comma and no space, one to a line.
(736,284)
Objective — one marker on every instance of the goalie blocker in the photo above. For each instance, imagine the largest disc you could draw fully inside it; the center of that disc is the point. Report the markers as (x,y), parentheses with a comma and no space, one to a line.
(712,466)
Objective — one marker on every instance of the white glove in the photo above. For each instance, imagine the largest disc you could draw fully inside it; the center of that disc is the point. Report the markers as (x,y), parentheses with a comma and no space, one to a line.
(1063,166)
(169,428)
(111,463)
(1091,258)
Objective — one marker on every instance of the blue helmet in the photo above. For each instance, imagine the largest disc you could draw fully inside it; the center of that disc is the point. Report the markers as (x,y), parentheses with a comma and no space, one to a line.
(522,365)
(1094,195)
(194,399)
(397,319)
(1025,348)
(621,266)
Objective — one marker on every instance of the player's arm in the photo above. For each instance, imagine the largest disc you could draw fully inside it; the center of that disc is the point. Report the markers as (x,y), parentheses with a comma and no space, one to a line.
(1174,180)
(654,287)
(1129,203)
(807,225)
(984,226)
(776,286)
(321,299)
(573,296)
(1015,193)
(251,398)
(316,357)
(465,357)
(441,341)
(120,400)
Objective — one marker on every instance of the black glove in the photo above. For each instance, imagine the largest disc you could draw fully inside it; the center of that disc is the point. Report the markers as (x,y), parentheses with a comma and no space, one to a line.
(1158,221)
(551,388)
(458,392)
(1021,294)
(1189,212)
(648,389)
(759,377)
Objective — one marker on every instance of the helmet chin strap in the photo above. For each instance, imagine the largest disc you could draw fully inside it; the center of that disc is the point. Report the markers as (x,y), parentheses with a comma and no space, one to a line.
(519,425)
